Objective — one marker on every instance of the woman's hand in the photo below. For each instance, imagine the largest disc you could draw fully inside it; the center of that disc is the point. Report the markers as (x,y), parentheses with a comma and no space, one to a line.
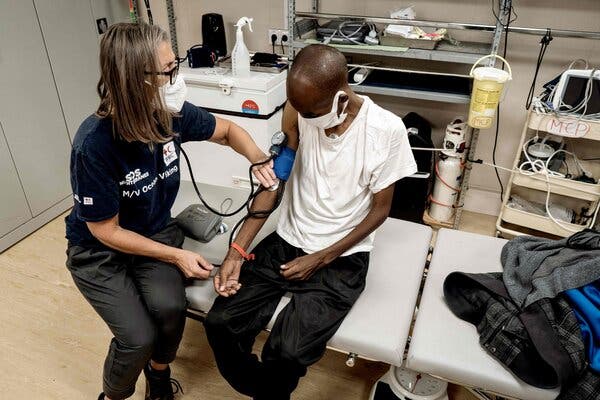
(265,174)
(192,265)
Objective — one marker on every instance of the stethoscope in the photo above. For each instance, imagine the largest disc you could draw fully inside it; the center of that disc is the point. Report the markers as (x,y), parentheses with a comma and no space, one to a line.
(278,142)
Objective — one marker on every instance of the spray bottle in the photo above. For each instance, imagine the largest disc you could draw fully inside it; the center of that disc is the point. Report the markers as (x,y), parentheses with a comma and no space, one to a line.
(240,57)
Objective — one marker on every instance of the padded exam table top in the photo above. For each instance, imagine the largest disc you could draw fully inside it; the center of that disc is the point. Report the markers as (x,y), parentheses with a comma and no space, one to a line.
(448,347)
(377,326)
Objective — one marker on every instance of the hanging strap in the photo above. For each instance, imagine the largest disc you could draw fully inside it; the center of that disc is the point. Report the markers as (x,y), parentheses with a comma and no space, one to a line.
(544,42)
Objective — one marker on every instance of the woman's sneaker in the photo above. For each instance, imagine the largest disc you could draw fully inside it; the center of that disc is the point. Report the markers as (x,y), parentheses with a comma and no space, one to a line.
(160,385)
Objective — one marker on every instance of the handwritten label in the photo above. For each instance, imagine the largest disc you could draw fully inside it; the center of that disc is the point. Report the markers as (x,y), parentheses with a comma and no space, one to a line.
(568,128)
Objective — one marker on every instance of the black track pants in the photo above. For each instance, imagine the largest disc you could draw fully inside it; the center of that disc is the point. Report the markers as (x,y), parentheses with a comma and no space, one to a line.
(301,331)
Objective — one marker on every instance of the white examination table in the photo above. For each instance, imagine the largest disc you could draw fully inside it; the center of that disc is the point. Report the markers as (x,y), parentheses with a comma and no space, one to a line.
(448,347)
(377,326)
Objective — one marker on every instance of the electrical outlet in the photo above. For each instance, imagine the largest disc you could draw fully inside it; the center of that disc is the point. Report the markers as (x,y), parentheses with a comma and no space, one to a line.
(279,33)
(242,182)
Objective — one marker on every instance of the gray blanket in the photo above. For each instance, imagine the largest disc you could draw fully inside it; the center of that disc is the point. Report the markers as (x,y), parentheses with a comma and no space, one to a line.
(537,268)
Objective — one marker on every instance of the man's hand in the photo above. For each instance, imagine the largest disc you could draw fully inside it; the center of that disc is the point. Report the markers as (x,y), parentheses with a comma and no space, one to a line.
(265,174)
(192,265)
(227,280)
(303,267)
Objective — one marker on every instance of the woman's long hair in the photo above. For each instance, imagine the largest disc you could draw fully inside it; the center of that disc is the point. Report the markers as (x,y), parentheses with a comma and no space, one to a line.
(128,94)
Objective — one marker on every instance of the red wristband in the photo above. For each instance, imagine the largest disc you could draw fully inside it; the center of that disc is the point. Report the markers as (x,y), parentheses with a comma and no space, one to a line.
(242,252)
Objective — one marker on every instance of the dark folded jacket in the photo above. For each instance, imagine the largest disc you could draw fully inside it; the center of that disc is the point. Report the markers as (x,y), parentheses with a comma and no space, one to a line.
(541,344)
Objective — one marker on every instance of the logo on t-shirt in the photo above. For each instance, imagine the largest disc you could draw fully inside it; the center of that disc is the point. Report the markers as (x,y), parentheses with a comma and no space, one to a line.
(169,153)
(133,177)
(88,201)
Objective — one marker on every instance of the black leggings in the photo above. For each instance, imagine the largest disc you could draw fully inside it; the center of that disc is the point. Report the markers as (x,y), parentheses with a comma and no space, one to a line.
(142,301)
(301,331)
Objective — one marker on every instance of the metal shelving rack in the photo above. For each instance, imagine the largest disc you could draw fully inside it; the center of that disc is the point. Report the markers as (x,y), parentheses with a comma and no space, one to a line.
(467,53)
(522,222)
(172,28)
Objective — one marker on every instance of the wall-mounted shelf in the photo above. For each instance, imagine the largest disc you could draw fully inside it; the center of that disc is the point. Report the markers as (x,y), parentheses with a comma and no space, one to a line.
(413,94)
(466,53)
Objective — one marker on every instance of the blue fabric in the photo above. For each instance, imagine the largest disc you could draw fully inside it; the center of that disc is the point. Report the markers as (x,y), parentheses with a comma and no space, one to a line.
(110,176)
(283,163)
(586,305)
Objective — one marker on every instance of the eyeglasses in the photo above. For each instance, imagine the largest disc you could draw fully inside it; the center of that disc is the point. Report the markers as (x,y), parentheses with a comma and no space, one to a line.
(172,73)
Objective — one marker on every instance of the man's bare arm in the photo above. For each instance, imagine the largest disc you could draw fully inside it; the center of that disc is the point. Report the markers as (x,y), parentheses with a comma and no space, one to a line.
(303,267)
(226,281)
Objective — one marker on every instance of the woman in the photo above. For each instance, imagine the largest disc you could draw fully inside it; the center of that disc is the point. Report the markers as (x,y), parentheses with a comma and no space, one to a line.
(124,250)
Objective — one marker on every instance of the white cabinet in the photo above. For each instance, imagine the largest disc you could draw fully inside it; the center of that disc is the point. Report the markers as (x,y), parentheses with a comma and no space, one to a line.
(253,103)
(48,72)
(73,53)
(30,108)
(14,210)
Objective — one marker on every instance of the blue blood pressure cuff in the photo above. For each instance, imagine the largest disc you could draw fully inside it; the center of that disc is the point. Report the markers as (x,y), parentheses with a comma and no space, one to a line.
(283,163)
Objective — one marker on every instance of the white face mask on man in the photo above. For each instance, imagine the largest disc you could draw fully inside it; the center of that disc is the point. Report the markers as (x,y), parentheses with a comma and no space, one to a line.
(174,95)
(332,118)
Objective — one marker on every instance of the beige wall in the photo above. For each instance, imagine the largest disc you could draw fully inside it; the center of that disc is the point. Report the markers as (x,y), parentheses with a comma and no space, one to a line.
(522,54)
(113,10)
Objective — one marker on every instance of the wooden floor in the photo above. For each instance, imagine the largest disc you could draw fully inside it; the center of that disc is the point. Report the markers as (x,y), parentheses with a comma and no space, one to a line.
(52,344)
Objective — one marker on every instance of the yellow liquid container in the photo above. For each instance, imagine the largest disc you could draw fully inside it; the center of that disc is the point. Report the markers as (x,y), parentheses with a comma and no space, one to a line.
(488,86)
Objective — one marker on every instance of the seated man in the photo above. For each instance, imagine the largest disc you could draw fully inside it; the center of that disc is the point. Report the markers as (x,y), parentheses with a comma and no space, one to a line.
(350,152)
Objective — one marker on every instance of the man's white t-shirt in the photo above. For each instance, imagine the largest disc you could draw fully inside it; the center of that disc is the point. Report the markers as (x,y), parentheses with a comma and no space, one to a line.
(333,180)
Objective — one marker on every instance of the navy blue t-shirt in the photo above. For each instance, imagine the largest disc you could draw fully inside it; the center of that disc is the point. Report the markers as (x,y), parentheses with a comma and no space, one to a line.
(110,176)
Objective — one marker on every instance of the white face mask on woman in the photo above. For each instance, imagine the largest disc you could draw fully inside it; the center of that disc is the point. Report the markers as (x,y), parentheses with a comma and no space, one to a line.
(174,95)
(332,118)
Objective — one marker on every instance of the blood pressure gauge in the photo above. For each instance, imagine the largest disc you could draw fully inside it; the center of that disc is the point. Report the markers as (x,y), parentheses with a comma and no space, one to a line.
(278,138)
(278,141)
